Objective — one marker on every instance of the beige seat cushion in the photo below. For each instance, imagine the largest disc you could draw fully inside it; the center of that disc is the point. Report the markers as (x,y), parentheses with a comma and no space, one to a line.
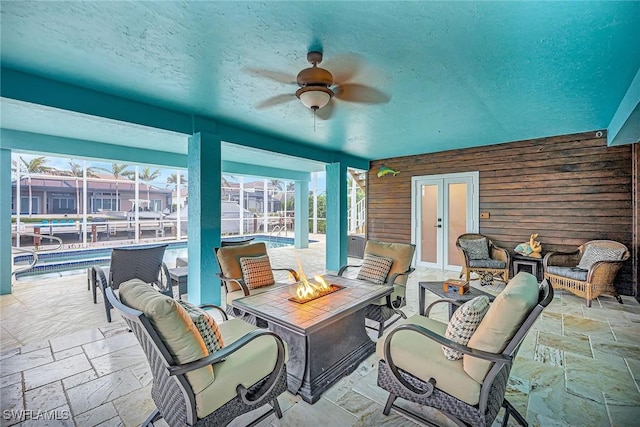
(240,293)
(398,291)
(246,366)
(423,358)
(401,253)
(504,317)
(172,322)
(229,260)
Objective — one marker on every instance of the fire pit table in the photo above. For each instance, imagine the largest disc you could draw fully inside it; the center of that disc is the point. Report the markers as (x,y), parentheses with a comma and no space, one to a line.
(326,336)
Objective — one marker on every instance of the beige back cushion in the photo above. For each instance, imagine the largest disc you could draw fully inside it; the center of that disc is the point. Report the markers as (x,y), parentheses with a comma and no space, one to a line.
(229,260)
(506,314)
(172,322)
(401,253)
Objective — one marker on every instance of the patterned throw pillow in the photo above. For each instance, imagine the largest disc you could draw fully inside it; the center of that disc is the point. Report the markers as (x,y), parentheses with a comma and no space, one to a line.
(256,271)
(476,248)
(206,325)
(375,268)
(594,254)
(464,323)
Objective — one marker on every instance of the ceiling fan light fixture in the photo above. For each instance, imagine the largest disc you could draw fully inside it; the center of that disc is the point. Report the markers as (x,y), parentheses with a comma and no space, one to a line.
(314,97)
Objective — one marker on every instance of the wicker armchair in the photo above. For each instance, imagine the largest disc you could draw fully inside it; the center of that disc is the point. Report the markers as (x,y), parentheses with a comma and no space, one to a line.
(233,279)
(396,275)
(489,260)
(250,369)
(131,263)
(589,271)
(470,390)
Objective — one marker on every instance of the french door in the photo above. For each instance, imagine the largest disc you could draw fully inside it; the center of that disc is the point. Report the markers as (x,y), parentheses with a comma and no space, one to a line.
(443,207)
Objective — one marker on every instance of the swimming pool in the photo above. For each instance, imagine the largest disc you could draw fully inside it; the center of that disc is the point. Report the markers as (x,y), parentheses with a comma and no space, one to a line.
(57,264)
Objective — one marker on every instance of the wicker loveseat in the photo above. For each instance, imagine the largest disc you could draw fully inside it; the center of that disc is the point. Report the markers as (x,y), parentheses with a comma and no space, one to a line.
(589,271)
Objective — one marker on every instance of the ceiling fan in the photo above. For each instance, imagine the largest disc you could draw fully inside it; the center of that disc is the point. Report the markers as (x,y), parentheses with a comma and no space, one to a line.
(318,88)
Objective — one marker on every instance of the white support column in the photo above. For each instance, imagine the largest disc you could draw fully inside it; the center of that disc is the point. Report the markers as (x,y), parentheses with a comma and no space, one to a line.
(136,204)
(315,202)
(85,203)
(241,211)
(265,208)
(18,199)
(178,208)
(301,210)
(353,218)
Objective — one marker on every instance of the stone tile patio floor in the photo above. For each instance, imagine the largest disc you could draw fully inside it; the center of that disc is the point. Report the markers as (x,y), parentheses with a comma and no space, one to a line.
(578,366)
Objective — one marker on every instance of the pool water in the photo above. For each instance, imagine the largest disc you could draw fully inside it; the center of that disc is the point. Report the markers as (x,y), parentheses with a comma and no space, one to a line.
(66,263)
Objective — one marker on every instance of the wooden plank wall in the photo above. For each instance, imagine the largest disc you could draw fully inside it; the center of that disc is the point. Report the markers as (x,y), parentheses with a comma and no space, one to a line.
(570,189)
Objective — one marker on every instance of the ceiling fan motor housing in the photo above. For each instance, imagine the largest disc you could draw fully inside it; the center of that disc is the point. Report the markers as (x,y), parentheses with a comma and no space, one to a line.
(314,76)
(314,83)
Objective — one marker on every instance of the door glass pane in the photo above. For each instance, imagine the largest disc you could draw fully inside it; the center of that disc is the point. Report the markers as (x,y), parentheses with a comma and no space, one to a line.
(457,215)
(429,238)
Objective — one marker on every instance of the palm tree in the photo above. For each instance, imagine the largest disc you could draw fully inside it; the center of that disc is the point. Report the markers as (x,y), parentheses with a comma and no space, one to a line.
(277,184)
(35,165)
(226,184)
(119,170)
(173,180)
(290,194)
(148,176)
(77,172)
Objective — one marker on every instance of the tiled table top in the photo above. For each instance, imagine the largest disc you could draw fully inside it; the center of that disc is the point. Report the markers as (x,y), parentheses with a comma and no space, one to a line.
(275,305)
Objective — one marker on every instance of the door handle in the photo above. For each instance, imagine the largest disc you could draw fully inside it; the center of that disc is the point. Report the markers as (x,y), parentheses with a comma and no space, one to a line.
(437,226)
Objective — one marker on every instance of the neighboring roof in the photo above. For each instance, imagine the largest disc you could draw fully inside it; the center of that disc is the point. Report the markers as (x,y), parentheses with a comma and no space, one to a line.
(65,182)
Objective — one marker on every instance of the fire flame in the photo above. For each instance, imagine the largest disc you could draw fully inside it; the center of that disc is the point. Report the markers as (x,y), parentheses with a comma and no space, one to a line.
(307,289)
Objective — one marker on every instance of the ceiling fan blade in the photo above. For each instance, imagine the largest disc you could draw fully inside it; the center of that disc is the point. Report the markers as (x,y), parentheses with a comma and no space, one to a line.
(277,76)
(325,112)
(275,100)
(353,92)
(343,67)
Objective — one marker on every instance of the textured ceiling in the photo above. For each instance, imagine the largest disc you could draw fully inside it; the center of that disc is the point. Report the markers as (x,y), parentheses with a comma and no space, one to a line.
(458,74)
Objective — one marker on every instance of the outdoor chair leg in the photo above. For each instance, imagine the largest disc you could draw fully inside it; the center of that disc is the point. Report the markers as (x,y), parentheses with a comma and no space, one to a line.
(380,330)
(107,307)
(276,408)
(94,279)
(153,416)
(387,407)
(513,411)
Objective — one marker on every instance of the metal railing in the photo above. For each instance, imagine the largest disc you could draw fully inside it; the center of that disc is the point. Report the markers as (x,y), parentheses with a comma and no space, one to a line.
(275,229)
(360,216)
(34,251)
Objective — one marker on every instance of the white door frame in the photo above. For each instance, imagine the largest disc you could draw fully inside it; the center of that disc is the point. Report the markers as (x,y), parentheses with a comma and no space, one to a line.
(473,213)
